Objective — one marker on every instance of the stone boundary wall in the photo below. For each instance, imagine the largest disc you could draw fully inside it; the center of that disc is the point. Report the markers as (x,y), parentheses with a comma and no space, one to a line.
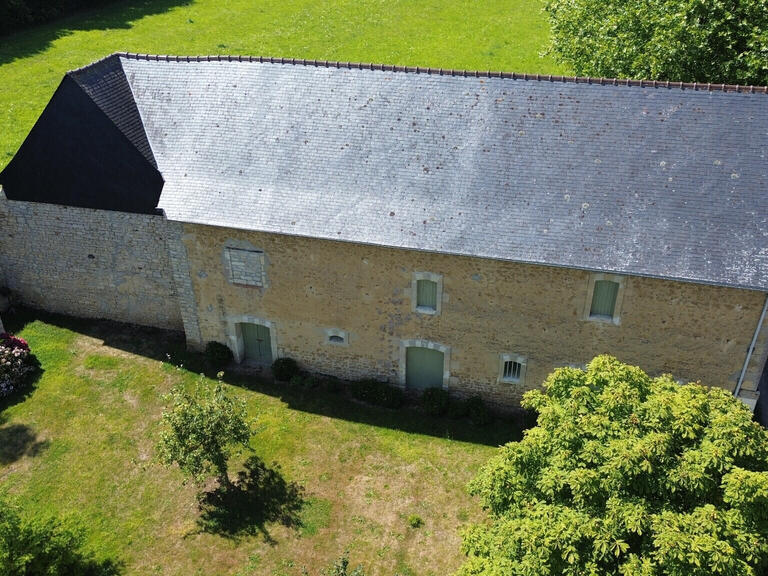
(89,263)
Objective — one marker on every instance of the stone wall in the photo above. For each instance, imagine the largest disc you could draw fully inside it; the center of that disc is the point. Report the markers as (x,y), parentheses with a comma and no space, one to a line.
(488,308)
(90,263)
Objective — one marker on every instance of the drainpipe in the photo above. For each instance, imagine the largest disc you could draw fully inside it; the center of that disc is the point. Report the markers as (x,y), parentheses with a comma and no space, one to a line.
(751,348)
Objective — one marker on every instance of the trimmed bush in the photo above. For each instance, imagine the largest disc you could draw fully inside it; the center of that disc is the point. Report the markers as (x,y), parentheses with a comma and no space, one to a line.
(16,364)
(283,369)
(477,411)
(458,409)
(296,380)
(217,355)
(378,393)
(435,401)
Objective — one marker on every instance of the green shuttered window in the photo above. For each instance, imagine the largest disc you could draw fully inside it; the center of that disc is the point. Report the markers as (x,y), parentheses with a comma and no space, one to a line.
(426,294)
(604,299)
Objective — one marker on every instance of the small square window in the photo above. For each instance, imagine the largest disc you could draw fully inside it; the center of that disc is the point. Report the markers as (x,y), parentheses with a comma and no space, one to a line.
(604,297)
(427,293)
(512,368)
(245,266)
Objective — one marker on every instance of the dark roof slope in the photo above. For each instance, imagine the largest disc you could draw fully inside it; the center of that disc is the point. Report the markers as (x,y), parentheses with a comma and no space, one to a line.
(655,179)
(76,156)
(105,82)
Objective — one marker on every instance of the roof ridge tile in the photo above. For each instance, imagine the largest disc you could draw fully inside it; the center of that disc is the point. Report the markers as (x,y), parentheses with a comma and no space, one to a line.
(641,83)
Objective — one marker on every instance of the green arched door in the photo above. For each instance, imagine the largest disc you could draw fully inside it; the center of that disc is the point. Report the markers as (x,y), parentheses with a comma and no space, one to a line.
(423,368)
(257,343)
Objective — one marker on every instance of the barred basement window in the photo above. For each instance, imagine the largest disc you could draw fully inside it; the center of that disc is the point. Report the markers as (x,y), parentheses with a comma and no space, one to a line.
(246,267)
(512,368)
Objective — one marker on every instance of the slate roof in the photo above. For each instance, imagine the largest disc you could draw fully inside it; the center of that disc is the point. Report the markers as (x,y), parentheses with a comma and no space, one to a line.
(650,179)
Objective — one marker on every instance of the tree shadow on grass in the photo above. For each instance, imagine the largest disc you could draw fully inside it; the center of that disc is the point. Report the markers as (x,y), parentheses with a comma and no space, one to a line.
(169,346)
(116,15)
(259,497)
(18,440)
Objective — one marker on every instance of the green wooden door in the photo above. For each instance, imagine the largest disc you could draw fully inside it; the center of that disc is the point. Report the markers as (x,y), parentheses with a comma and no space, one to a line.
(257,343)
(423,368)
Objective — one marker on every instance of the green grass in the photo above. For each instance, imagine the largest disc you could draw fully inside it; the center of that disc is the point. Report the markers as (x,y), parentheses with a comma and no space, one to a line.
(82,444)
(477,34)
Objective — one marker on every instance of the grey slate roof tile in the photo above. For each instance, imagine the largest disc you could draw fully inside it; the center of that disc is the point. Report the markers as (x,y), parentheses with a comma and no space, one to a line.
(644,180)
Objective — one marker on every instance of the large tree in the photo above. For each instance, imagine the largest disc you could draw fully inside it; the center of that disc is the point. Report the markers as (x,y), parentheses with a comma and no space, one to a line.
(625,475)
(720,41)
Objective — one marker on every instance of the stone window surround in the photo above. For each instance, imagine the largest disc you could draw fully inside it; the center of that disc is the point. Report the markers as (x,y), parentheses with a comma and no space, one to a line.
(522,360)
(437,279)
(336,332)
(594,277)
(418,343)
(235,334)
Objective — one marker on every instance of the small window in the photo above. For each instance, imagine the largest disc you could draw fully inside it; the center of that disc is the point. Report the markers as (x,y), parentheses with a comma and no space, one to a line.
(512,368)
(604,298)
(427,292)
(245,266)
(336,337)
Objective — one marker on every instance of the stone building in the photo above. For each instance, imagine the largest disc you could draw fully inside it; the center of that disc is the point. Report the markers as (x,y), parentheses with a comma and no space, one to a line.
(425,227)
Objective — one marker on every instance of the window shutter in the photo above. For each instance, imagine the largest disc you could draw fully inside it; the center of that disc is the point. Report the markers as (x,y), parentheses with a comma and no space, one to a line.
(426,294)
(604,298)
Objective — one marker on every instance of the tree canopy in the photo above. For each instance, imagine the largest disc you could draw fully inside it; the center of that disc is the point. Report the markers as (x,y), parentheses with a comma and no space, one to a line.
(200,428)
(625,475)
(720,41)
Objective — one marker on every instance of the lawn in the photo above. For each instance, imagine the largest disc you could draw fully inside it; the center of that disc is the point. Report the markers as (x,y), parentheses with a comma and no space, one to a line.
(477,34)
(333,474)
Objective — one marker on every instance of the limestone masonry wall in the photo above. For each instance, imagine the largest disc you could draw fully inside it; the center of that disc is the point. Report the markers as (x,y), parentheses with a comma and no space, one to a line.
(489,308)
(91,263)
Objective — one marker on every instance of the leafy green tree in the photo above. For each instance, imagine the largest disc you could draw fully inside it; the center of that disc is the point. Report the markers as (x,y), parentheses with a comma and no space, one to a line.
(44,547)
(625,475)
(201,428)
(720,41)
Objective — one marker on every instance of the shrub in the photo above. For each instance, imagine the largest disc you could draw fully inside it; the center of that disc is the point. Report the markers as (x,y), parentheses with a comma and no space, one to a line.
(333,385)
(458,409)
(16,364)
(435,401)
(217,355)
(378,393)
(415,521)
(283,369)
(42,547)
(625,475)
(296,380)
(478,413)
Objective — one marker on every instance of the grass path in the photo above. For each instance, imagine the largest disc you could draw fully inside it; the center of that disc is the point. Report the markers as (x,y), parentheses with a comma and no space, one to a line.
(477,34)
(82,444)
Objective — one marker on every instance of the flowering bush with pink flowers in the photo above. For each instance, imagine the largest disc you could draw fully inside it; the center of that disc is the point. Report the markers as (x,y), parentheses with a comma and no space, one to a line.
(16,363)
